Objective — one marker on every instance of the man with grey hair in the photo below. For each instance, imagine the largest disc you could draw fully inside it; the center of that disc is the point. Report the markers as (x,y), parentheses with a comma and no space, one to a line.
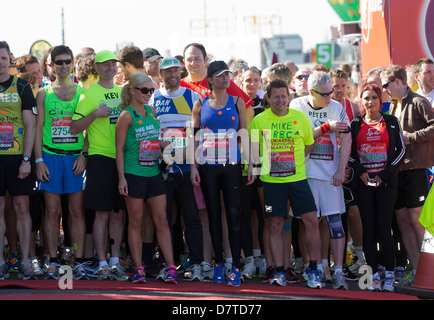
(325,165)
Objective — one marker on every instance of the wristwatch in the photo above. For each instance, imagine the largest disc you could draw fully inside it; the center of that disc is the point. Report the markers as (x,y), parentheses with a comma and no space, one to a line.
(84,153)
(26,158)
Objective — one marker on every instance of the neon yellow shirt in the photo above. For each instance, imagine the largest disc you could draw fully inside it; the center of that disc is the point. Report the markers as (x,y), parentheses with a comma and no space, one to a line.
(282,141)
(101,132)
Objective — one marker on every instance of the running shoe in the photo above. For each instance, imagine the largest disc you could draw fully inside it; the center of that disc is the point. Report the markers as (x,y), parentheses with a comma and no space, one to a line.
(104,273)
(407,280)
(227,268)
(349,257)
(139,275)
(4,273)
(375,282)
(249,269)
(171,275)
(219,273)
(53,271)
(389,282)
(339,281)
(234,278)
(261,267)
(118,273)
(357,263)
(67,256)
(162,274)
(91,268)
(349,276)
(46,264)
(78,271)
(14,261)
(196,273)
(327,275)
(399,273)
(298,265)
(185,260)
(312,278)
(26,271)
(279,278)
(291,276)
(36,266)
(207,270)
(269,272)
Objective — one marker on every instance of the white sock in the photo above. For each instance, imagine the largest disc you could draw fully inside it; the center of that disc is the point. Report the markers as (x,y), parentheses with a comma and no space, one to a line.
(256,252)
(103,263)
(325,263)
(114,260)
(338,269)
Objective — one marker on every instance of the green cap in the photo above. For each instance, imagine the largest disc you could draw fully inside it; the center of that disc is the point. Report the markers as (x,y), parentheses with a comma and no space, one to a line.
(104,56)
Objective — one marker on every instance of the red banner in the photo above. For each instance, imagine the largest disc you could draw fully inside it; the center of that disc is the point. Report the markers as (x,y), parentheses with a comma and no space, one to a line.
(396,31)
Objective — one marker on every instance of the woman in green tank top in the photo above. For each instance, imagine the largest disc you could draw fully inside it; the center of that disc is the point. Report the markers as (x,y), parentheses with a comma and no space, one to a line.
(137,154)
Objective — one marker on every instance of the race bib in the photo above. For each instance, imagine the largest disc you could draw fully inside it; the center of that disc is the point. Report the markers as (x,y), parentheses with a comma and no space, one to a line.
(373,156)
(282,164)
(61,131)
(6,135)
(323,149)
(148,152)
(216,147)
(177,136)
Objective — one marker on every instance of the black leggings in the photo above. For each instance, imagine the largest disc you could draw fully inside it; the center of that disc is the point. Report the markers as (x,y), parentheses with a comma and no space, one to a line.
(225,179)
(376,209)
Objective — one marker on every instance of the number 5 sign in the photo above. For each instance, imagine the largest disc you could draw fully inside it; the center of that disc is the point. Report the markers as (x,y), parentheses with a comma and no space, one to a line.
(324,54)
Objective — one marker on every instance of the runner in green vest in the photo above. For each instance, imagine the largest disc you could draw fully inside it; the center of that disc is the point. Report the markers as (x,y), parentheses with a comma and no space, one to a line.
(137,154)
(16,143)
(60,158)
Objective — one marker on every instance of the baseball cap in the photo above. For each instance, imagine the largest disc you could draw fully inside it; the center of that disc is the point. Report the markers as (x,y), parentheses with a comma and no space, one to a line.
(216,68)
(169,62)
(151,54)
(104,56)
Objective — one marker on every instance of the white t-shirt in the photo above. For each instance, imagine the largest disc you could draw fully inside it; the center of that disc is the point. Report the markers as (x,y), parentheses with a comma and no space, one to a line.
(429,96)
(323,160)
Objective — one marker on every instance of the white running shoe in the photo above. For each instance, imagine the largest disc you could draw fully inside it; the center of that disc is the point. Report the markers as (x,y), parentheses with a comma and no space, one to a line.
(249,269)
(312,278)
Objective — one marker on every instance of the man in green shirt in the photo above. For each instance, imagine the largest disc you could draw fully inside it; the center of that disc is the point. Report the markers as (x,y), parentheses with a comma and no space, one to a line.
(281,138)
(60,159)
(97,113)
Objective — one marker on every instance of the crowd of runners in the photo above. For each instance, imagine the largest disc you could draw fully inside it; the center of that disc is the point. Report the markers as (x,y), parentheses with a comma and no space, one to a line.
(128,165)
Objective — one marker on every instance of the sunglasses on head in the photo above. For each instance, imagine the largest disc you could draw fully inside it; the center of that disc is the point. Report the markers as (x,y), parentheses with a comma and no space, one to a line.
(387,84)
(324,94)
(145,90)
(300,77)
(64,61)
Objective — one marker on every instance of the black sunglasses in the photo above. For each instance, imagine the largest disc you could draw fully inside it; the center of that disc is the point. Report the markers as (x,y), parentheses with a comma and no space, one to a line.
(60,62)
(300,77)
(145,90)
(387,84)
(324,94)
